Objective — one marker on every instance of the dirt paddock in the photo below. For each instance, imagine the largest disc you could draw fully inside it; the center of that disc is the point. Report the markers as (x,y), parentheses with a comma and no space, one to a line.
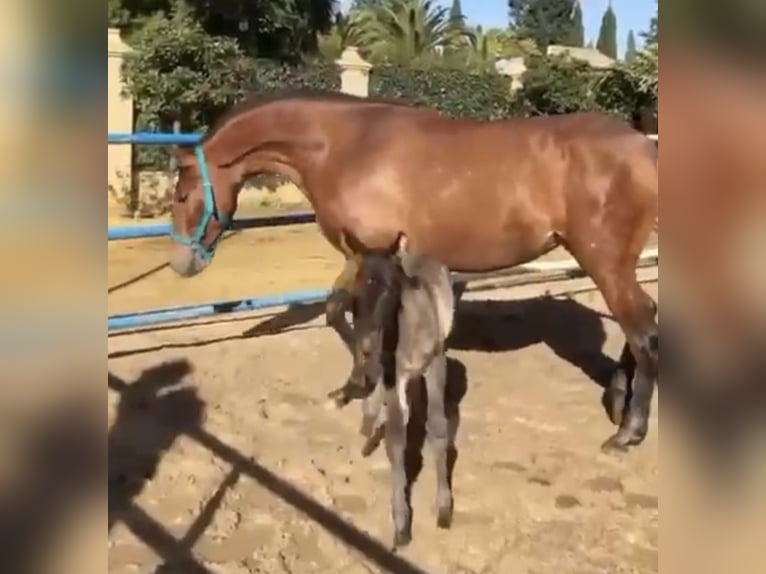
(224,455)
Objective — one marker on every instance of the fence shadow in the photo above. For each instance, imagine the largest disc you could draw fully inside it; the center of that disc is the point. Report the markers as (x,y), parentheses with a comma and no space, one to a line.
(292,319)
(153,416)
(59,466)
(573,331)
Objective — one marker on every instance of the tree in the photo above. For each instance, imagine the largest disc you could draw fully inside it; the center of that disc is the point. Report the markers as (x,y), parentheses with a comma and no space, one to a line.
(546,21)
(456,17)
(266,28)
(652,36)
(577,34)
(556,85)
(630,49)
(607,35)
(403,30)
(178,72)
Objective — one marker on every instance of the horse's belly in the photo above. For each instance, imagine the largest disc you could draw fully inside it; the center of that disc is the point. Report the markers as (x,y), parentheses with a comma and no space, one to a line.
(478,248)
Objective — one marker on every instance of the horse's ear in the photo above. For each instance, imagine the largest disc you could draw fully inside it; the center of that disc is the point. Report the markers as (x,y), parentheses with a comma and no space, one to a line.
(409,259)
(344,246)
(402,245)
(183,156)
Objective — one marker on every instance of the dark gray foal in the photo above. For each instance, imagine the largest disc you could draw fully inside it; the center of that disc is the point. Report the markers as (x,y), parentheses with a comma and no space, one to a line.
(403,315)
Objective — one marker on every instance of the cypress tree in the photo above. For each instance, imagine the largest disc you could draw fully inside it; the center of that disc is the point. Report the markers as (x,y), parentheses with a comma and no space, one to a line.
(607,36)
(630,50)
(577,34)
(456,17)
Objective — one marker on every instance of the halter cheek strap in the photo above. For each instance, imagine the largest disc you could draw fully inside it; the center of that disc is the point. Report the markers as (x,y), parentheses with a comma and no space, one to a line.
(209,211)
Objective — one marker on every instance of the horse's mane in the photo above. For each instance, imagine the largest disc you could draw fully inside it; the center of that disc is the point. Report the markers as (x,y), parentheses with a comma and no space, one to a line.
(258,100)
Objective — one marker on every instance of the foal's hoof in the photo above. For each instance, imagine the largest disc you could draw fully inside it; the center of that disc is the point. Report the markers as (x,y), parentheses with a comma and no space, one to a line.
(444,518)
(340,397)
(402,539)
(373,441)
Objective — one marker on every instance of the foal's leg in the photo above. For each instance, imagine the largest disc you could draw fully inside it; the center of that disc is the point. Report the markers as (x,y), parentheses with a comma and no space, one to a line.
(438,435)
(340,300)
(397,417)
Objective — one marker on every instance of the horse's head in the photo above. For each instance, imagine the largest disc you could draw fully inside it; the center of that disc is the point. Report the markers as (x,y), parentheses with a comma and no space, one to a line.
(380,281)
(203,204)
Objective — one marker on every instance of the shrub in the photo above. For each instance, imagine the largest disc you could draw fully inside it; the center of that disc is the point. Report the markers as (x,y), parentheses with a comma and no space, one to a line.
(177,72)
(454,92)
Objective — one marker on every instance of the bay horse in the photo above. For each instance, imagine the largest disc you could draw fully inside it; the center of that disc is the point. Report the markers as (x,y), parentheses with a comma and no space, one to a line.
(405,310)
(477,195)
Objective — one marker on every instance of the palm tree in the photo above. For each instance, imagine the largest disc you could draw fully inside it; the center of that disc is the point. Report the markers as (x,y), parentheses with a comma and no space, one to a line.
(403,30)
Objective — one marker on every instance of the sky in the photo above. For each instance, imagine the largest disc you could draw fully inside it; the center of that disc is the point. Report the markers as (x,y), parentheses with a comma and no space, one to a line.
(631,14)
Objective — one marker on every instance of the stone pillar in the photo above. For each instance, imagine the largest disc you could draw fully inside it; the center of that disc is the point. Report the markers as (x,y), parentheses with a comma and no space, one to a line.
(120,119)
(355,73)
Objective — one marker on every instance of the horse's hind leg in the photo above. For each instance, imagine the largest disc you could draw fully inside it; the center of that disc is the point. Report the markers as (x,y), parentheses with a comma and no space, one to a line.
(635,311)
(617,394)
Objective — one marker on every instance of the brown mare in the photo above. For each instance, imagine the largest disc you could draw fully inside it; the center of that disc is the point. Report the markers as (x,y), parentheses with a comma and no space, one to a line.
(478,196)
(714,232)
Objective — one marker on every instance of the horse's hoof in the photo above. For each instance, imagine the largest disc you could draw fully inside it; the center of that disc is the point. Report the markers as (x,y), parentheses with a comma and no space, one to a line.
(402,539)
(621,441)
(615,397)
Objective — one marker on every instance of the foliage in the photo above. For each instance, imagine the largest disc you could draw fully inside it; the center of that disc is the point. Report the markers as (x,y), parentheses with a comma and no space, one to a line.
(270,76)
(401,31)
(607,34)
(630,48)
(556,85)
(177,72)
(268,28)
(546,21)
(646,68)
(454,92)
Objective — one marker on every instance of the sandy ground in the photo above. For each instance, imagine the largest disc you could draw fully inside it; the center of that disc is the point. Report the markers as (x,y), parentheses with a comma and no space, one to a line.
(225,456)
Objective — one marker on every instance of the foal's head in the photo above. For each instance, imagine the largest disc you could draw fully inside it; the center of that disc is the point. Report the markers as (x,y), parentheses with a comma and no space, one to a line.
(379,284)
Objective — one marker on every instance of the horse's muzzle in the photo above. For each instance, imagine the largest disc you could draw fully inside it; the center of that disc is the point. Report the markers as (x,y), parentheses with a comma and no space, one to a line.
(186,261)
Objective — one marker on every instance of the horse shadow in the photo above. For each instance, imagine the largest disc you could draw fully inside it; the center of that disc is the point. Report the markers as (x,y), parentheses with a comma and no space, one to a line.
(153,412)
(571,330)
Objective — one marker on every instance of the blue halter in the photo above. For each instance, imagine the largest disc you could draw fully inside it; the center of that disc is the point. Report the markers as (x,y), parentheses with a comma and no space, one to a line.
(210,211)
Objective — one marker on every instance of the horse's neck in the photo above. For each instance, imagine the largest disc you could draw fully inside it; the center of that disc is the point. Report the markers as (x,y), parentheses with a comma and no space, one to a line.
(254,145)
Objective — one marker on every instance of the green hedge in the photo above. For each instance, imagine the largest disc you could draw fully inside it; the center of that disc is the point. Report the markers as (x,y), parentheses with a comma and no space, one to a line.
(457,93)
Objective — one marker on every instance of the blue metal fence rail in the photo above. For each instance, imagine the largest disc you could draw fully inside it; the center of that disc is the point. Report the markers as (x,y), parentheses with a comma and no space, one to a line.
(187,312)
